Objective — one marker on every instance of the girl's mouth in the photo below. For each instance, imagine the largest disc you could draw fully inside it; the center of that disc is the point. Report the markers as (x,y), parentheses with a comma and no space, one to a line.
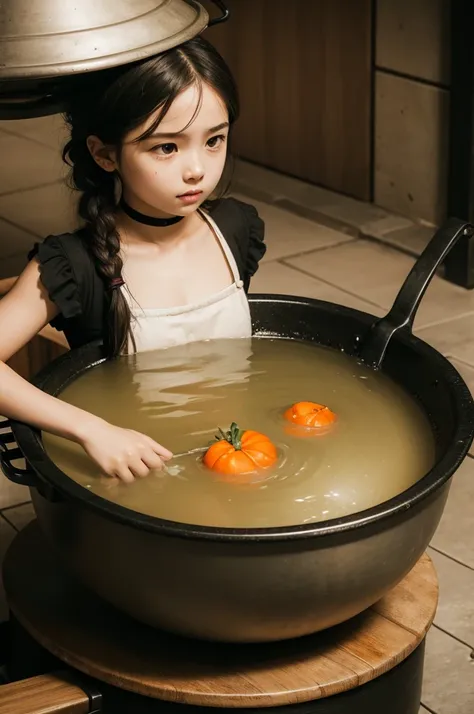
(190,196)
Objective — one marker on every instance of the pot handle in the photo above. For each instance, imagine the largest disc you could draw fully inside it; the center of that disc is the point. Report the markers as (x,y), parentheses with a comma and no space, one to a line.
(402,314)
(23,477)
(225,16)
(34,106)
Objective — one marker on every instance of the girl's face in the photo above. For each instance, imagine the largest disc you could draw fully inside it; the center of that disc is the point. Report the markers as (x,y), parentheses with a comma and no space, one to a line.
(173,171)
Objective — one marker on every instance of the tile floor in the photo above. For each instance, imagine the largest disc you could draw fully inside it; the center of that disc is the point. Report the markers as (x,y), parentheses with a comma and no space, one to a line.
(325,259)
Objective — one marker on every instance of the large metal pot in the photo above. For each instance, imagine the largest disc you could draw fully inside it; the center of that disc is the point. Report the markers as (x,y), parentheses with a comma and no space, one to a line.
(264,584)
(44,43)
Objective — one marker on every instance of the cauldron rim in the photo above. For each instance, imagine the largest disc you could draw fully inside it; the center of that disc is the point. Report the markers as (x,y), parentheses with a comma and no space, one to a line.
(57,482)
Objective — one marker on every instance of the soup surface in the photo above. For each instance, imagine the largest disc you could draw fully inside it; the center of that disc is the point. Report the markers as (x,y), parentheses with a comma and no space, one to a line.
(380,444)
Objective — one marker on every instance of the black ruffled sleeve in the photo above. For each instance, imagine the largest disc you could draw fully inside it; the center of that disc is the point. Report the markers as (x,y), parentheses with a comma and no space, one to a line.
(244,232)
(256,248)
(59,279)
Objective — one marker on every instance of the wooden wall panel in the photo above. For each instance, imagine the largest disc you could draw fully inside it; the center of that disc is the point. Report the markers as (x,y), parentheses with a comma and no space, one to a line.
(304,72)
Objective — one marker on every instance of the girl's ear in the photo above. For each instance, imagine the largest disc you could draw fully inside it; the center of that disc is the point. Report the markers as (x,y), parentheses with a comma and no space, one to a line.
(104,156)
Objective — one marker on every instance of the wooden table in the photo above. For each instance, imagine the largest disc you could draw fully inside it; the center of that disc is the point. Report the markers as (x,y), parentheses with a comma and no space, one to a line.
(372,664)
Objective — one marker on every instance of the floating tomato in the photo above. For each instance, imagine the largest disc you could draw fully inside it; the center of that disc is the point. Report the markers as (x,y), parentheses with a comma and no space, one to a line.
(238,452)
(314,419)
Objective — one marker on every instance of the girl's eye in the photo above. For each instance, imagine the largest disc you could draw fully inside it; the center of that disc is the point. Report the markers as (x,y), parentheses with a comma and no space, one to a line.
(165,149)
(215,141)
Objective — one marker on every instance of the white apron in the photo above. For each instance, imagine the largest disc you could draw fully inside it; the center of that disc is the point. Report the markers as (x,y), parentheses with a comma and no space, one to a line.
(224,315)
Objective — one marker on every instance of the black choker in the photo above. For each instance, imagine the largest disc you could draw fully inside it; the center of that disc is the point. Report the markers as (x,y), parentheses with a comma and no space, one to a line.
(148,220)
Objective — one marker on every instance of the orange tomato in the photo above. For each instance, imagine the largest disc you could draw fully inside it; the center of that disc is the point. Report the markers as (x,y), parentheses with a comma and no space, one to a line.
(315,419)
(239,452)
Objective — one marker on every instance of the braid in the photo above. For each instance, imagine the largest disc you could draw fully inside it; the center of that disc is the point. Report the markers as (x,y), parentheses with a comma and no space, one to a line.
(98,207)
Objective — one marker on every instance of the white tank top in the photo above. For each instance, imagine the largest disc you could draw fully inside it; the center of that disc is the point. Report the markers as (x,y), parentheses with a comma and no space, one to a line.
(225,314)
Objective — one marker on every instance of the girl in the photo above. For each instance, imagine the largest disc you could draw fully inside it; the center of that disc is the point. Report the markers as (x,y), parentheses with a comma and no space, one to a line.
(160,260)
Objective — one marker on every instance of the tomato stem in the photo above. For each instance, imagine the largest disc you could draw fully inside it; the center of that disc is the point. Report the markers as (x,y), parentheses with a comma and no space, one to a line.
(233,436)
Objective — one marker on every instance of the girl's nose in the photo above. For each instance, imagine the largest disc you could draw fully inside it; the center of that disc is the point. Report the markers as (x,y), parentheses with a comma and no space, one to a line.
(194,171)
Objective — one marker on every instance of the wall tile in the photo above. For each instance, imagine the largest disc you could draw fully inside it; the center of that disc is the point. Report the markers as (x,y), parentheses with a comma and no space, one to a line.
(411,147)
(413,37)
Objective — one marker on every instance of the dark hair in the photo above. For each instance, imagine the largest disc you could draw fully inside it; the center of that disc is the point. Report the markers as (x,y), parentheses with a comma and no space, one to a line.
(109,104)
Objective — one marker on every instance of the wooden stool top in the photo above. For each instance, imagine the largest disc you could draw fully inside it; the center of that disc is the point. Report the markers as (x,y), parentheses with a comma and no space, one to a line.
(96,639)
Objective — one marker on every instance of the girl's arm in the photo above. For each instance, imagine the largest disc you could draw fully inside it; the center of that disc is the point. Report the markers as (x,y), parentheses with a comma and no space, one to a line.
(6,285)
(24,311)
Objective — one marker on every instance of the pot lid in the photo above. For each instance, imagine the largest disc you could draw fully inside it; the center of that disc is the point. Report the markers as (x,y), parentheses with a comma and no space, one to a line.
(54,38)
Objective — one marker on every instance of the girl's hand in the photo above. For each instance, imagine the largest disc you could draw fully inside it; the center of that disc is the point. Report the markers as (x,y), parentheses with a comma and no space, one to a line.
(123,453)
